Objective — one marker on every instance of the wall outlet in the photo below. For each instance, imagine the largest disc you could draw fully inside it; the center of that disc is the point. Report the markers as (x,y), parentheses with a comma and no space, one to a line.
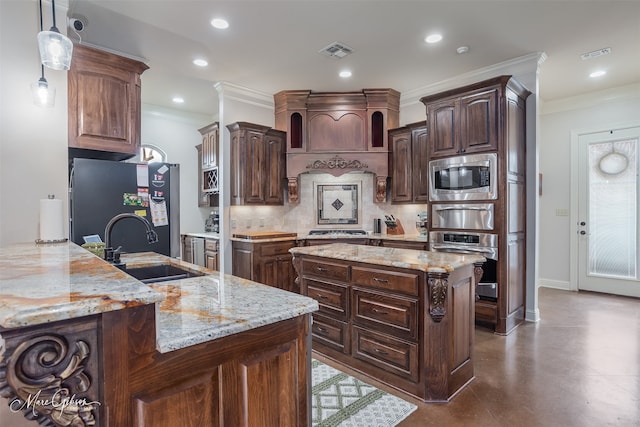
(261,222)
(234,223)
(562,212)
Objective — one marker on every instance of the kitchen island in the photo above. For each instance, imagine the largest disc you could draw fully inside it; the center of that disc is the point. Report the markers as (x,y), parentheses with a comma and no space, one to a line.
(402,316)
(83,343)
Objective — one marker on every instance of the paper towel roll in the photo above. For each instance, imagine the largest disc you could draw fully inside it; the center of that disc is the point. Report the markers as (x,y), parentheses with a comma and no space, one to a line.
(51,220)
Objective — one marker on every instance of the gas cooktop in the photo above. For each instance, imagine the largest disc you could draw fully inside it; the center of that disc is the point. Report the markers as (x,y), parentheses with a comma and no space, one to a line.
(348,232)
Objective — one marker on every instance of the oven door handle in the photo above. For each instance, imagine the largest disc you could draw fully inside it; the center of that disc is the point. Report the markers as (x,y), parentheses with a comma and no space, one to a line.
(490,253)
(463,208)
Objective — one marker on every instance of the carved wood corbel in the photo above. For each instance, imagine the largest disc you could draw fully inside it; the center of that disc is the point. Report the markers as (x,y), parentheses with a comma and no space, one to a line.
(47,379)
(293,190)
(438,284)
(477,274)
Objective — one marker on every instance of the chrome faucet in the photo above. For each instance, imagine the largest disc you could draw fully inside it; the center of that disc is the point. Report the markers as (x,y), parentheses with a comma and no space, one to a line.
(113,255)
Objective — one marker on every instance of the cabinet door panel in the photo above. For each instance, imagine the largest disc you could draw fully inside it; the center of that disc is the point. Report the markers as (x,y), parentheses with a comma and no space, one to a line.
(401,178)
(262,389)
(254,168)
(443,135)
(275,169)
(188,404)
(420,165)
(388,353)
(478,122)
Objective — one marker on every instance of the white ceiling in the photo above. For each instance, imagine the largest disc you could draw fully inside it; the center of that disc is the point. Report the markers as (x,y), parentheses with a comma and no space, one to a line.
(273,45)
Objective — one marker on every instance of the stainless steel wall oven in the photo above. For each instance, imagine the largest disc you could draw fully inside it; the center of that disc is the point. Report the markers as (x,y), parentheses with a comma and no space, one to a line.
(484,244)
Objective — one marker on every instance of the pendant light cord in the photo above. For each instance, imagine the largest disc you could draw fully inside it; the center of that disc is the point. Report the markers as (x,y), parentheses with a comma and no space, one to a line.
(53,11)
(41,28)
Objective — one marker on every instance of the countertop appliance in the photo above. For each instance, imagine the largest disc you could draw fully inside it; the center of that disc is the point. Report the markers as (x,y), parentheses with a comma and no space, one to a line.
(471,177)
(101,189)
(212,224)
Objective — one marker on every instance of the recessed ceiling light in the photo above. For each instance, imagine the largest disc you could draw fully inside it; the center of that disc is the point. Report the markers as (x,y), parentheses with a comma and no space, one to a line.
(462,49)
(433,38)
(200,62)
(219,23)
(178,100)
(345,74)
(598,73)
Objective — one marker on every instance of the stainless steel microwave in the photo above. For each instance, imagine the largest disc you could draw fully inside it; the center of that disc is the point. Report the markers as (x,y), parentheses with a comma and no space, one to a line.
(472,177)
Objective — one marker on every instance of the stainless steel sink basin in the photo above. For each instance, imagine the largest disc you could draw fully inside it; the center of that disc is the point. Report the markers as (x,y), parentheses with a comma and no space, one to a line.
(160,273)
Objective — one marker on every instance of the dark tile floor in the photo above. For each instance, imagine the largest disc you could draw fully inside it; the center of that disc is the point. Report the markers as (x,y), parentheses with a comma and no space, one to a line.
(579,366)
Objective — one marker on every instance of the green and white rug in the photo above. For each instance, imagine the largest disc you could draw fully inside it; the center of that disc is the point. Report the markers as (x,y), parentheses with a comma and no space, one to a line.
(342,400)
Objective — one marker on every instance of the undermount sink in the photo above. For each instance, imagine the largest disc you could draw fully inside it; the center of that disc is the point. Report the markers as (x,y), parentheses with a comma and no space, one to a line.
(160,273)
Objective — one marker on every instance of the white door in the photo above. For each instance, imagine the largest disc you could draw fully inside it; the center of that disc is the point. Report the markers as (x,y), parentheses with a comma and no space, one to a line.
(607,232)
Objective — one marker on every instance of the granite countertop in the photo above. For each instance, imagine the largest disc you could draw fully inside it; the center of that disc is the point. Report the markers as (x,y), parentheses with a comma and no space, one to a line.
(432,262)
(51,282)
(201,309)
(48,283)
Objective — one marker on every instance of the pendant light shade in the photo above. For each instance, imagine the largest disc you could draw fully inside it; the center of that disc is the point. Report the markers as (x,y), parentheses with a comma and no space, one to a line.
(43,94)
(55,47)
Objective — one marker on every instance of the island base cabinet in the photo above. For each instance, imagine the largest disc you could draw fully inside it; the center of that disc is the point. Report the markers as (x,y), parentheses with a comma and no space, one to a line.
(409,329)
(256,378)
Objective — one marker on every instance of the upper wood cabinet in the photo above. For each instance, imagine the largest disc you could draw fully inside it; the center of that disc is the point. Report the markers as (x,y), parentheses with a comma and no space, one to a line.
(409,164)
(337,133)
(463,123)
(104,104)
(208,164)
(257,164)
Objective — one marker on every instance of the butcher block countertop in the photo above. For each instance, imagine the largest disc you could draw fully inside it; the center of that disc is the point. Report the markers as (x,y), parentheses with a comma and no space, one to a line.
(48,283)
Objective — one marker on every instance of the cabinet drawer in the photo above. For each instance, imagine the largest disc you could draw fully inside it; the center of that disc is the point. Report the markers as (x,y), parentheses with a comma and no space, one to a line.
(276,248)
(486,312)
(388,353)
(388,280)
(397,316)
(332,299)
(325,270)
(210,245)
(331,333)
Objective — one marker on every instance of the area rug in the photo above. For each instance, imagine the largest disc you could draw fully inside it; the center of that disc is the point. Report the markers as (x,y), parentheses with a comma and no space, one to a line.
(341,400)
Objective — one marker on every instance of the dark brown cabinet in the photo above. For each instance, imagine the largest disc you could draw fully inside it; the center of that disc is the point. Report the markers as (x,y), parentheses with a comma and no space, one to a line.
(104,104)
(257,164)
(408,164)
(463,123)
(491,116)
(376,320)
(269,263)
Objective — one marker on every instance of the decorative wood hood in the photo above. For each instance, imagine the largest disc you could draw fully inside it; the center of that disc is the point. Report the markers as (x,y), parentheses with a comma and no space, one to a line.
(337,132)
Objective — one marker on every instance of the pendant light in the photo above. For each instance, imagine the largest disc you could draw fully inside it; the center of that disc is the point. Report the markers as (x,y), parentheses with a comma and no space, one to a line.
(55,48)
(43,94)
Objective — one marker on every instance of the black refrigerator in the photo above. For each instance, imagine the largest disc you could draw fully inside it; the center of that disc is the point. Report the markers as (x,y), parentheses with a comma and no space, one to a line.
(102,189)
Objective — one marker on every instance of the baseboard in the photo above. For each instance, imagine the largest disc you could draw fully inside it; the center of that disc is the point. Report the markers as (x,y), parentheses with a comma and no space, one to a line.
(555,284)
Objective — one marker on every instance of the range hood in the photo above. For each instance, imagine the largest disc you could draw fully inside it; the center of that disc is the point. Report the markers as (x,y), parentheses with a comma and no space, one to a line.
(337,133)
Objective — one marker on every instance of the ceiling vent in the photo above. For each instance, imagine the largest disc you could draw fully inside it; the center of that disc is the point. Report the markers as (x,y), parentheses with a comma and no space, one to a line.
(596,53)
(336,50)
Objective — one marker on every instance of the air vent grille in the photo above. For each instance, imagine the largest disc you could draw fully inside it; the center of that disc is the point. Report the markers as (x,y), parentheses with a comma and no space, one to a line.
(336,50)
(595,53)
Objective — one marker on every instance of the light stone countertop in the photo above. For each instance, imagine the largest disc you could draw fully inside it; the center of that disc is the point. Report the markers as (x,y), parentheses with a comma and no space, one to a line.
(431,262)
(48,283)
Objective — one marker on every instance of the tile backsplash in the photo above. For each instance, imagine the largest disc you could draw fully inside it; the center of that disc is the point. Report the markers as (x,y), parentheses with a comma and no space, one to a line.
(302,217)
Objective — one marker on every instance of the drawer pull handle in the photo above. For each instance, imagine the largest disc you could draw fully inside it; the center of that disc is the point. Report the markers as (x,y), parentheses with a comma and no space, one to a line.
(321,269)
(378,311)
(382,352)
(320,329)
(377,279)
(320,296)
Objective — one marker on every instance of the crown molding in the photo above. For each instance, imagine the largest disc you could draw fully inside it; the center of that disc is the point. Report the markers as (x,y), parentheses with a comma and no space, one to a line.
(243,94)
(590,99)
(523,65)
